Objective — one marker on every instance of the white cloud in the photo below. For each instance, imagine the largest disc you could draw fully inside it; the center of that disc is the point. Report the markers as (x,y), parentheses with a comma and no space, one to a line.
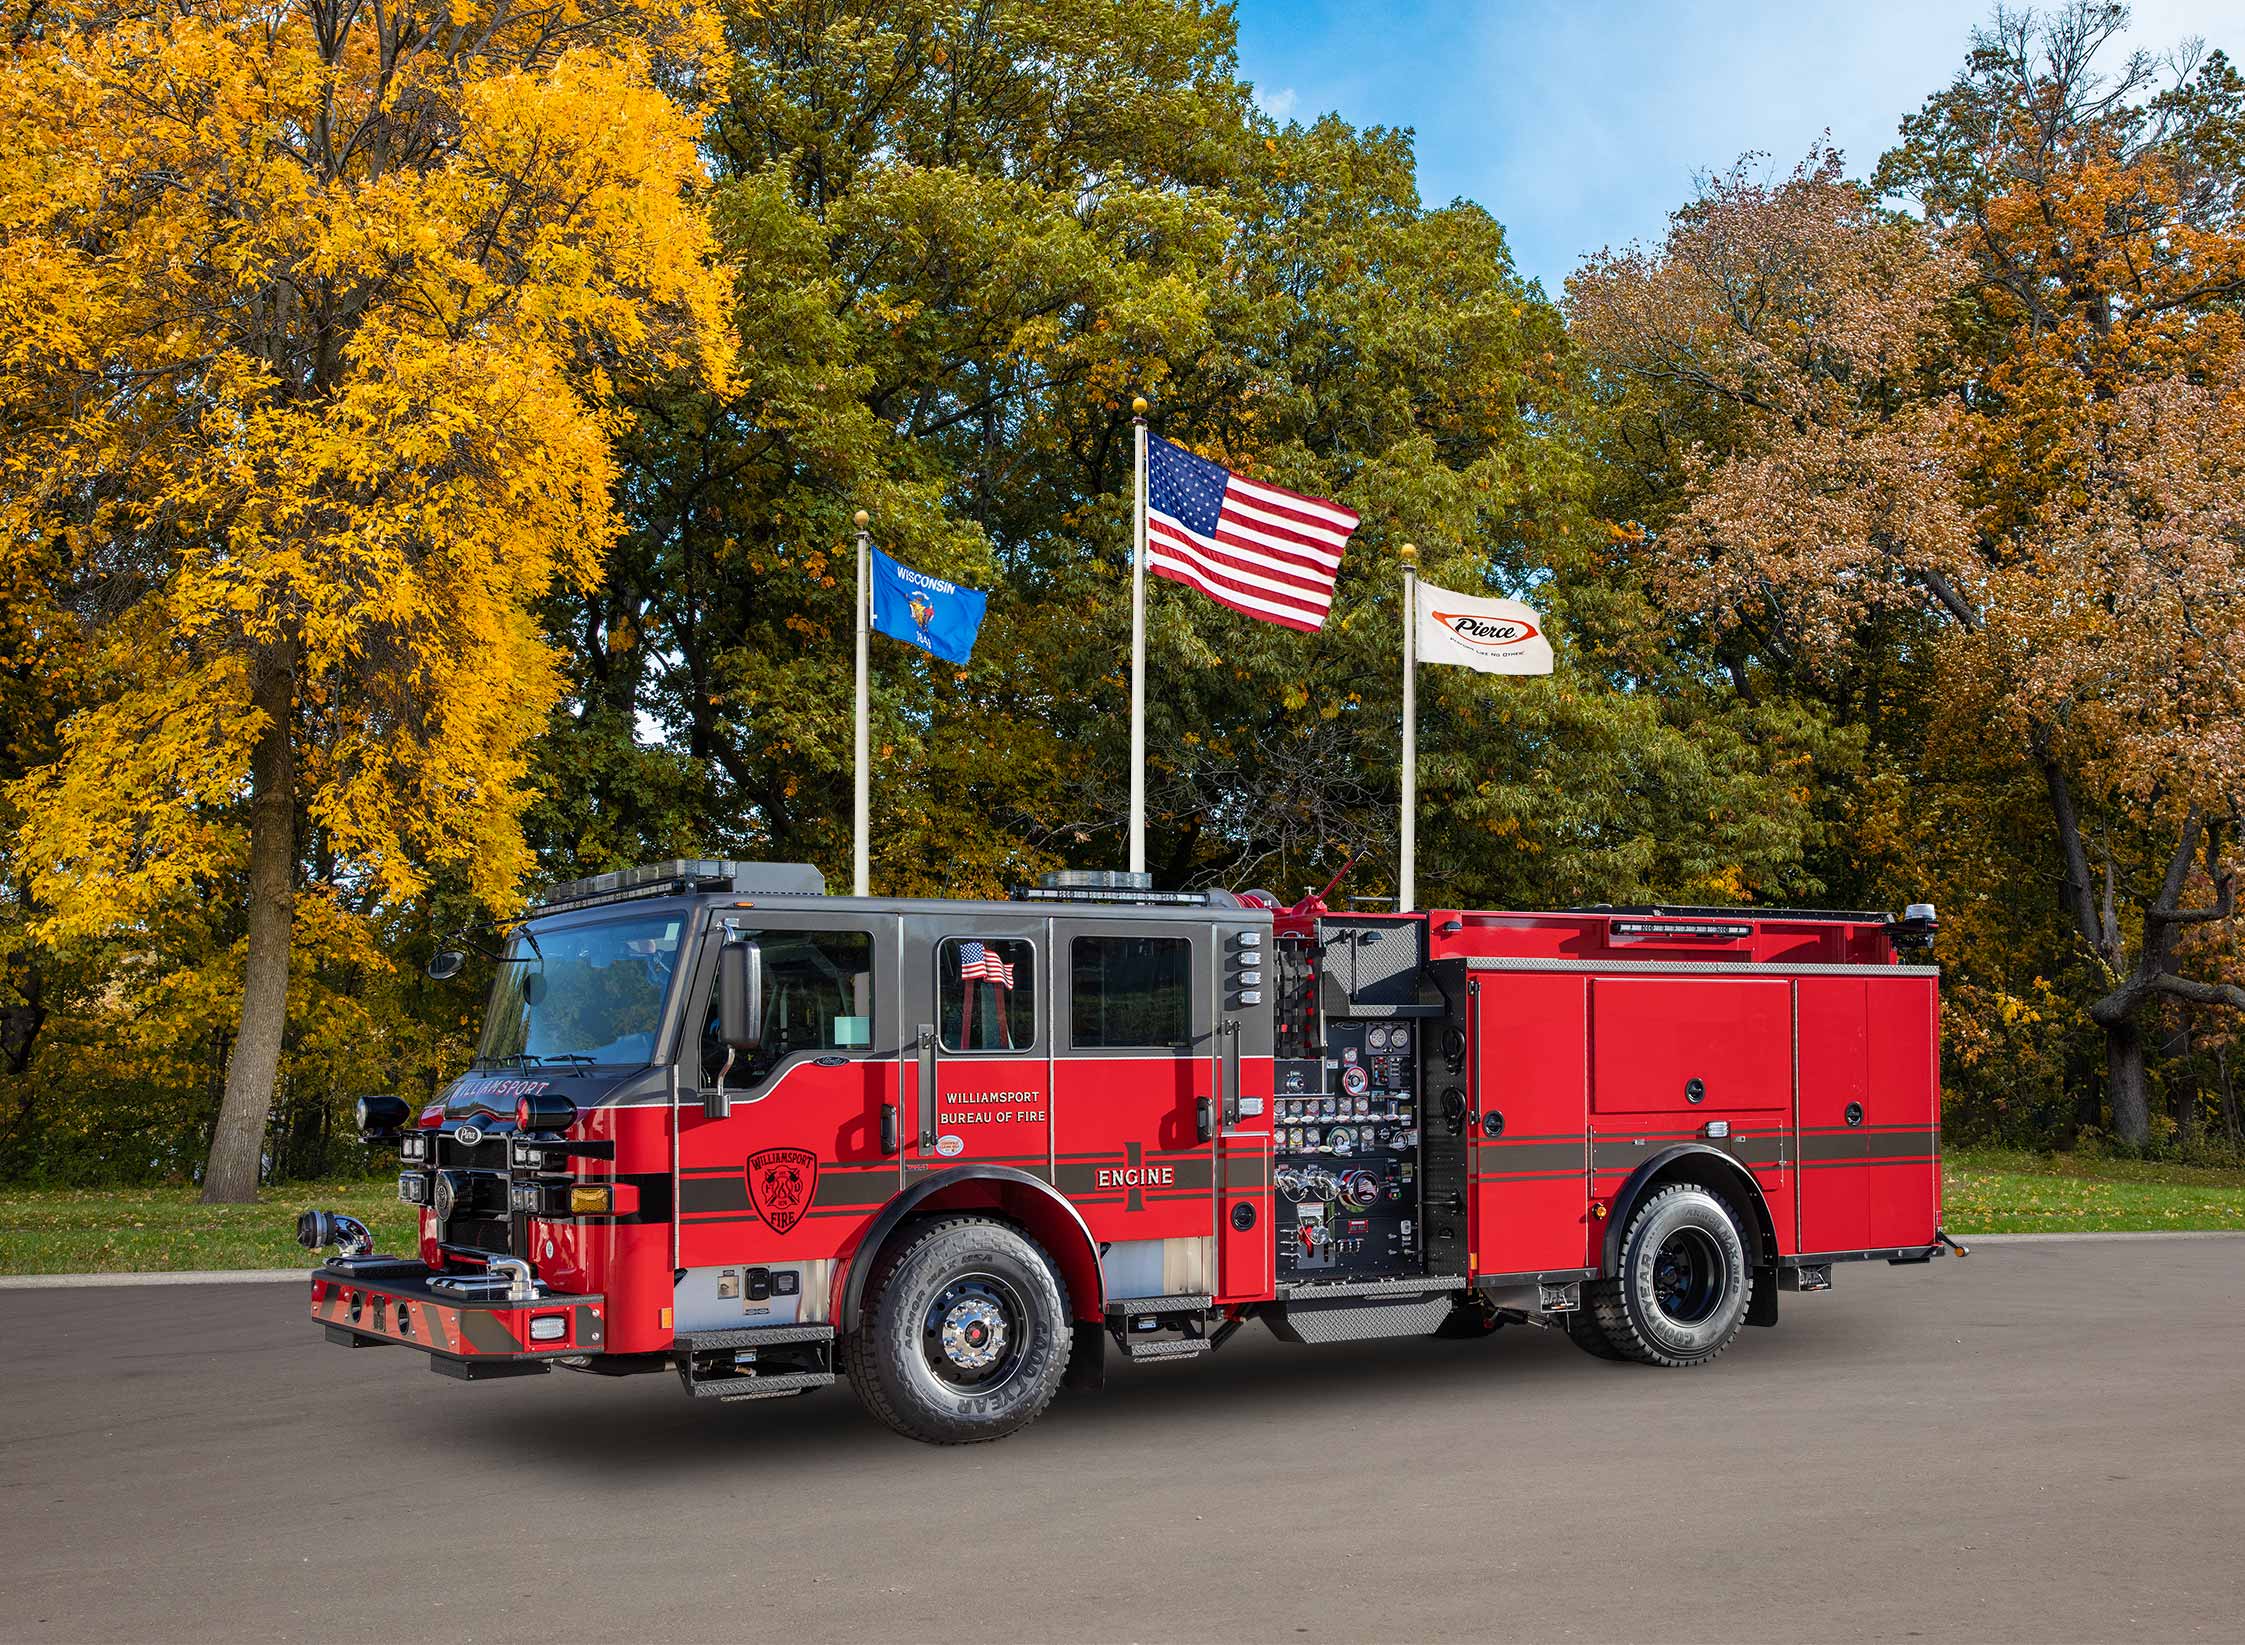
(1279,104)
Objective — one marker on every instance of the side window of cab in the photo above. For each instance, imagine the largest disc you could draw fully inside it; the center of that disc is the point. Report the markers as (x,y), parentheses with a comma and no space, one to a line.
(986,993)
(818,996)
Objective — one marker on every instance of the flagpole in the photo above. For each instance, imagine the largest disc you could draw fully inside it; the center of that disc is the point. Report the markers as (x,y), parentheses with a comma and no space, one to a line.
(861,834)
(1408,892)
(1138,644)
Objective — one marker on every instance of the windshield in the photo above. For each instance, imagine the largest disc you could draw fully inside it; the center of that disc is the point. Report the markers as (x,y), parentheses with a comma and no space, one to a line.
(586,994)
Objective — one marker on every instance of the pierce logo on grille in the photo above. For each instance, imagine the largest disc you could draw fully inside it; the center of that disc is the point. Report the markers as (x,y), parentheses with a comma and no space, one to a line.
(780,1181)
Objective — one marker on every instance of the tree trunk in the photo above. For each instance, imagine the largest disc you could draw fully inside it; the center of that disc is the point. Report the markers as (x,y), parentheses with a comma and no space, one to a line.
(2124,1082)
(2183,1092)
(2229,1098)
(235,1147)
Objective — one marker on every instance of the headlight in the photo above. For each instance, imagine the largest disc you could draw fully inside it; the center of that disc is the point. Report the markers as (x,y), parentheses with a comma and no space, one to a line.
(414,1147)
(413,1188)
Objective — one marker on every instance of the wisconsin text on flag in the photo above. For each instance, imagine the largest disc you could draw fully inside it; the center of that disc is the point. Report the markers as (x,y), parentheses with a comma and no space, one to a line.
(1257,548)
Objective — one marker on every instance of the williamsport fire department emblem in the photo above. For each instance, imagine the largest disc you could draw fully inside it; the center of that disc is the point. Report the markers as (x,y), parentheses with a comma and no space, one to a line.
(780,1181)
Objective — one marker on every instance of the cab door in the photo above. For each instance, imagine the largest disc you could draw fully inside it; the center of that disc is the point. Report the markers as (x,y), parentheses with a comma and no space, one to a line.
(978,988)
(809,1148)
(1135,1093)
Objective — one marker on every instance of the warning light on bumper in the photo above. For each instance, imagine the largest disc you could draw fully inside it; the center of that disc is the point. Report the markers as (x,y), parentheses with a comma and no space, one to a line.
(591,1201)
(548,1327)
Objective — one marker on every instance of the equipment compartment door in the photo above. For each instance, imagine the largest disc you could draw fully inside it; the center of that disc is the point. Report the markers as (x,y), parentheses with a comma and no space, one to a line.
(1690,1046)
(1531,1169)
(1135,1088)
(1835,1093)
(1902,1122)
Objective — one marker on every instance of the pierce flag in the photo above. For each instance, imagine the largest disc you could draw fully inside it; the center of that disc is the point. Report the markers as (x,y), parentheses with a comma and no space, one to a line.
(1494,636)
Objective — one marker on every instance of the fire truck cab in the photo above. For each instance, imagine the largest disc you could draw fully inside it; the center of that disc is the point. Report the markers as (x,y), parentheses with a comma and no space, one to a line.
(725,1125)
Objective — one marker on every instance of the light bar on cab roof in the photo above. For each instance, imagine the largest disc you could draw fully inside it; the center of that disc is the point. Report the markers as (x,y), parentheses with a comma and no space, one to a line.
(774,879)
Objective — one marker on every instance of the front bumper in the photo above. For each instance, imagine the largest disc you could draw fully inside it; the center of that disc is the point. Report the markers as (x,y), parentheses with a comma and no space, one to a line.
(393,1303)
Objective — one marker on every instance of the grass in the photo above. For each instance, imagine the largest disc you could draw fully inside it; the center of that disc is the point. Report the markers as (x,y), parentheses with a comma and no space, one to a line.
(151,1230)
(2002,1192)
(147,1230)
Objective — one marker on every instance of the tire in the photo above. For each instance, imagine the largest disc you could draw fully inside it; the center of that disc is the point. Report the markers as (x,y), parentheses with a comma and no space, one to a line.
(964,1332)
(1584,1331)
(1684,1285)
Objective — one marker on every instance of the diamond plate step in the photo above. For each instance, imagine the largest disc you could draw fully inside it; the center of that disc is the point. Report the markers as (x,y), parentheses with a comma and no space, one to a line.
(767,1336)
(1157,1305)
(1174,1348)
(792,1382)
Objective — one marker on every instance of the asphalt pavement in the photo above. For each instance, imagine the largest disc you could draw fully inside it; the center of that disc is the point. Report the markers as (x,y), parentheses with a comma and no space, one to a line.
(2045,1442)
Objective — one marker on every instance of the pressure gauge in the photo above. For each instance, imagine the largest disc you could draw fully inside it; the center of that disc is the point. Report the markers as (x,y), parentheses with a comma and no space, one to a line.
(1355,1081)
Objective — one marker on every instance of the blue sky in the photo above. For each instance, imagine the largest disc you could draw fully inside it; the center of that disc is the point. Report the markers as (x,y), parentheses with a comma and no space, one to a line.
(1581,125)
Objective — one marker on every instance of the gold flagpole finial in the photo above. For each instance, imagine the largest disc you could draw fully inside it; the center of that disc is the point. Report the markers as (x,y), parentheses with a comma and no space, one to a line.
(1138,405)
(1408,553)
(862,519)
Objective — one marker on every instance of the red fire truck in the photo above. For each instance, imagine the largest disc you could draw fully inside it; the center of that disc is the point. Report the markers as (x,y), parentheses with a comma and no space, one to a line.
(726,1125)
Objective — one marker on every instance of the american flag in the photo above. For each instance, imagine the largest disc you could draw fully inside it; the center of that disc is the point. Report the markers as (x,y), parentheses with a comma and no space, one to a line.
(1257,548)
(979,960)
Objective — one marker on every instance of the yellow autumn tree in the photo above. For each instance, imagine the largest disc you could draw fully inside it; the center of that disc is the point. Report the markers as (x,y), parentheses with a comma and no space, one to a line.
(314,319)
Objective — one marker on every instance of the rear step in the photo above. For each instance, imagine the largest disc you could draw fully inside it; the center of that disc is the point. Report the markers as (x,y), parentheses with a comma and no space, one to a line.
(756,1362)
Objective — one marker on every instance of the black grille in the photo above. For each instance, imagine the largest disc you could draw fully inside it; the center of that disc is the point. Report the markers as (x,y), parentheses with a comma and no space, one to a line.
(493,1234)
(480,1219)
(488,1155)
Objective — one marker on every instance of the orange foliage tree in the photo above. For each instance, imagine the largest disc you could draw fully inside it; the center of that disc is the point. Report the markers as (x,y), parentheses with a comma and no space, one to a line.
(313,321)
(2007,438)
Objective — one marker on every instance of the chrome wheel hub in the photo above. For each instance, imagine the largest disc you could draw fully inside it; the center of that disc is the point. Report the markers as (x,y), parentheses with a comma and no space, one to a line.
(973,1334)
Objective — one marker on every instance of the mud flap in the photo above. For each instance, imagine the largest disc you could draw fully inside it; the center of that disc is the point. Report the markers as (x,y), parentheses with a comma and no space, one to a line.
(1087,1358)
(1761,1308)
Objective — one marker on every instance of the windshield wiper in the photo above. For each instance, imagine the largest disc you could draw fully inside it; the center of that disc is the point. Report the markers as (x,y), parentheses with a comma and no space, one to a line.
(568,1056)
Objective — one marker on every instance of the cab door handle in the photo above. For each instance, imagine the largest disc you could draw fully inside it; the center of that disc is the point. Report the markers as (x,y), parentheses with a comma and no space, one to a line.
(888,1128)
(927,1086)
(1230,1061)
(1204,1113)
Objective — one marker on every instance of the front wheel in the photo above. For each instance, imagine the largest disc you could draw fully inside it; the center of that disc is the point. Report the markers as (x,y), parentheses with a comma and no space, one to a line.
(964,1334)
(1684,1284)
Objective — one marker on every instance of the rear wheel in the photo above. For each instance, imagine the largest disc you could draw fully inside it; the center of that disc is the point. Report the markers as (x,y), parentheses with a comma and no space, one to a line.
(1584,1331)
(964,1333)
(1684,1284)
